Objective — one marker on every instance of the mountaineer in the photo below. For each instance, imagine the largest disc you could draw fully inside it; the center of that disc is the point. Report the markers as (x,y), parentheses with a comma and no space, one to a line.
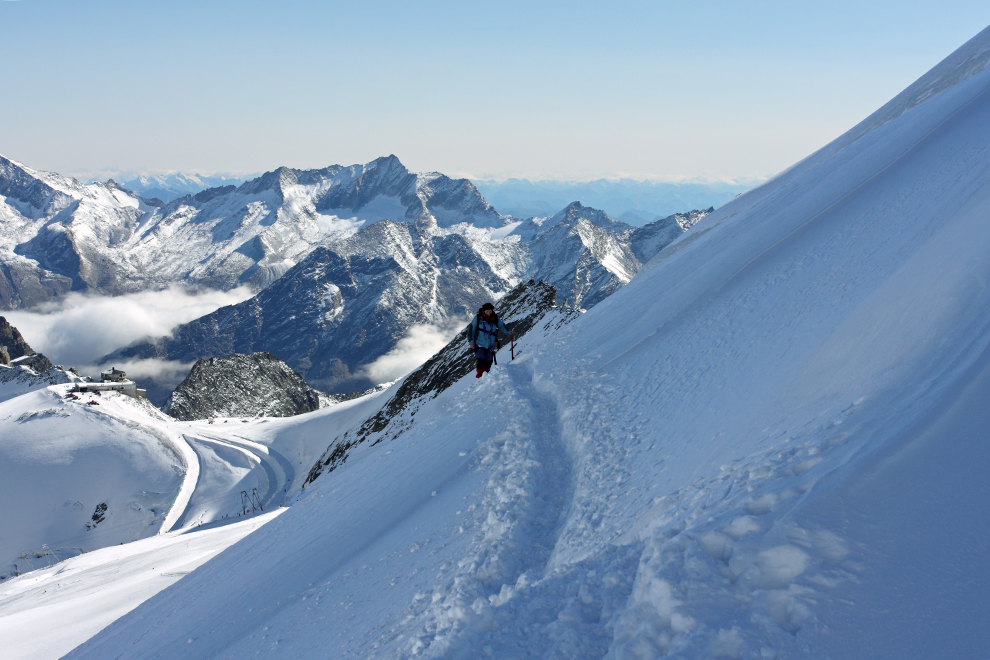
(482,337)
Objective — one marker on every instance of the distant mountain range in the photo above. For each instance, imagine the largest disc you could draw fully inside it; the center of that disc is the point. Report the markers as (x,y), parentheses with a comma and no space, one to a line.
(345,259)
(168,187)
(59,235)
(634,202)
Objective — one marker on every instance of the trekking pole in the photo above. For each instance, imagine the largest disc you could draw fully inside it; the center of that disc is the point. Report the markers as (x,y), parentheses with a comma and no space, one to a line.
(512,346)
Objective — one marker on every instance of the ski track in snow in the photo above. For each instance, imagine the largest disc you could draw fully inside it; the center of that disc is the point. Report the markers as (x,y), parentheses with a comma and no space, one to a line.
(511,596)
(222,480)
(554,488)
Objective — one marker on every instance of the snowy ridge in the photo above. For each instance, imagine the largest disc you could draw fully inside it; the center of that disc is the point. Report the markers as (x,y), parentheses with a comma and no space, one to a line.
(524,307)
(968,60)
(19,379)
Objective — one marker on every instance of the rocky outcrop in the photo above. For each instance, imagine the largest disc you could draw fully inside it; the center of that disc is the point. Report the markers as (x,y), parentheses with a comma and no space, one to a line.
(18,352)
(11,338)
(253,385)
(37,362)
(524,307)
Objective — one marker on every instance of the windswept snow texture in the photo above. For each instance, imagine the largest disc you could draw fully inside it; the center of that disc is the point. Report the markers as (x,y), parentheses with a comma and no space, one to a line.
(771,444)
(19,379)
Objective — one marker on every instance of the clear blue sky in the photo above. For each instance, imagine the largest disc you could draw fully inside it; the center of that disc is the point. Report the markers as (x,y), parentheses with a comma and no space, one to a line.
(571,90)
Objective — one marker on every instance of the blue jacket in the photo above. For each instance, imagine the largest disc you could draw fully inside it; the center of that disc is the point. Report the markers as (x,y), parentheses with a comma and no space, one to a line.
(482,333)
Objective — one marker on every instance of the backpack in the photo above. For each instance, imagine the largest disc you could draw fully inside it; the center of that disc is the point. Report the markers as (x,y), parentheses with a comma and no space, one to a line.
(494,321)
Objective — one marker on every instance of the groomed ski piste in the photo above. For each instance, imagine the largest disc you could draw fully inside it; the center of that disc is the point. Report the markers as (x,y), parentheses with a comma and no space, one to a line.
(772,443)
(153,481)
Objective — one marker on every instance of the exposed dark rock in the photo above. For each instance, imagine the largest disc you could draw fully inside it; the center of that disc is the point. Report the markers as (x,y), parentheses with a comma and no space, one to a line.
(12,339)
(241,385)
(36,361)
(4,356)
(212,193)
(522,308)
(99,514)
(648,240)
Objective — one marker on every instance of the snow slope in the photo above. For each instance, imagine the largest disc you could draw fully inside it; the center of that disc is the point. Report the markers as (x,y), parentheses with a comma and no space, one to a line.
(16,380)
(770,444)
(75,477)
(78,474)
(83,594)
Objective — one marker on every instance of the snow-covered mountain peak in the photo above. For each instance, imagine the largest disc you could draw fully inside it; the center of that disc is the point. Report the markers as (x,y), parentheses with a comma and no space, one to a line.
(577,211)
(61,235)
(42,195)
(570,215)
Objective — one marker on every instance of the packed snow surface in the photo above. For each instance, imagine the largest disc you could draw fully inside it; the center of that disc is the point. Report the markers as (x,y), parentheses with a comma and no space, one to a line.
(72,600)
(770,444)
(82,471)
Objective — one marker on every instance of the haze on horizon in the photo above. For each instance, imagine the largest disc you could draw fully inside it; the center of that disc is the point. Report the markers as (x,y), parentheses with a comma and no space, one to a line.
(559,91)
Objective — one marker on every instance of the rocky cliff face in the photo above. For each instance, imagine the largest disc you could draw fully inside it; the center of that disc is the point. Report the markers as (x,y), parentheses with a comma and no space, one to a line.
(253,385)
(16,351)
(525,306)
(57,234)
(11,338)
(346,304)
(23,370)
(36,362)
